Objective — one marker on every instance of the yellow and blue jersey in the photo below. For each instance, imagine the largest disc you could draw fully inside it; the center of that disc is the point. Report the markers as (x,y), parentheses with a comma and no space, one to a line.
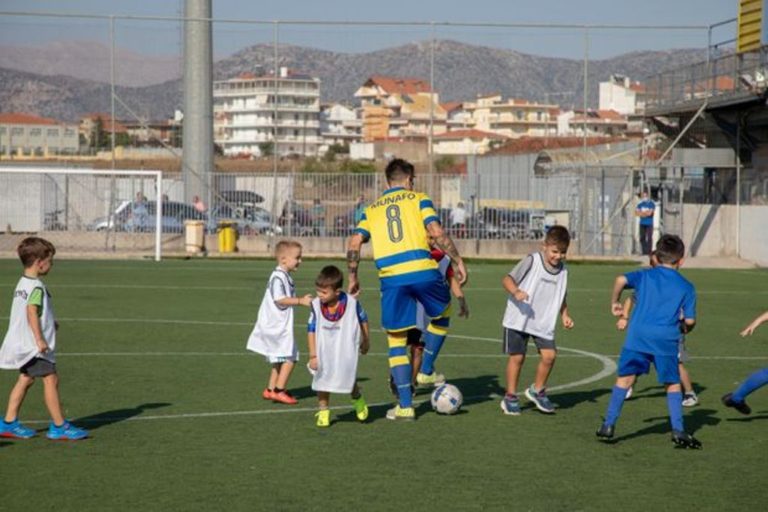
(396,226)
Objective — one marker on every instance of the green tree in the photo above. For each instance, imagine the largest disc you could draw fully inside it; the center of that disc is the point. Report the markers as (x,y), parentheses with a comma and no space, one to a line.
(335,149)
(445,163)
(267,148)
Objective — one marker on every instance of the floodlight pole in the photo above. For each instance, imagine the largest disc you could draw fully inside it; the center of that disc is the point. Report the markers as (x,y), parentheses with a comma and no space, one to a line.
(738,185)
(583,227)
(275,72)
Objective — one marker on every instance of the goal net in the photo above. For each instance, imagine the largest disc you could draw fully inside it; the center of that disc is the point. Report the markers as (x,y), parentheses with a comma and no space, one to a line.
(88,213)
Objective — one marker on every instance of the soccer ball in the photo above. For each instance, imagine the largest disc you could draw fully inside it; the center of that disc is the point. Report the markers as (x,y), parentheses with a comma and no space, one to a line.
(447,399)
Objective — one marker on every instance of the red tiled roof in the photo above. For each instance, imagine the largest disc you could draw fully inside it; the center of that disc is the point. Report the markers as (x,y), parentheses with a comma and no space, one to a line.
(451,105)
(106,120)
(604,116)
(395,85)
(470,134)
(21,118)
(637,87)
(525,145)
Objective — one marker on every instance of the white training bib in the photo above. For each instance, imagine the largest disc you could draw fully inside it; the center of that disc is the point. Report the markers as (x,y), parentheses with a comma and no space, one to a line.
(272,335)
(19,344)
(338,346)
(546,291)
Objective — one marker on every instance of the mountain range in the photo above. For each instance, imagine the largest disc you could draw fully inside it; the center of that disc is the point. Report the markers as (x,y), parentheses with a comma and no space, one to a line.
(73,84)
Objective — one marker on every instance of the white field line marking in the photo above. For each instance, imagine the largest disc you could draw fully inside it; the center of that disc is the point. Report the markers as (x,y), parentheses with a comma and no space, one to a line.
(609,367)
(218,322)
(372,354)
(258,288)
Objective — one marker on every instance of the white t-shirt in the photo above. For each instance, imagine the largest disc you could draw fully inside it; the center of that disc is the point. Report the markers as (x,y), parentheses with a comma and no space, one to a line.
(546,291)
(19,344)
(458,216)
(272,335)
(338,346)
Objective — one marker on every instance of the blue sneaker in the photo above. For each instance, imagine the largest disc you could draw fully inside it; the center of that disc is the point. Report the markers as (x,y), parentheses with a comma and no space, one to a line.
(15,430)
(510,405)
(540,400)
(66,432)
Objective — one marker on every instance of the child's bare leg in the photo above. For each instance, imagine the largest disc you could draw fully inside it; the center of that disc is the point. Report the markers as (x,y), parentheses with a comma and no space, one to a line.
(323,399)
(273,373)
(356,393)
(16,398)
(514,364)
(284,373)
(544,369)
(417,352)
(51,393)
(685,379)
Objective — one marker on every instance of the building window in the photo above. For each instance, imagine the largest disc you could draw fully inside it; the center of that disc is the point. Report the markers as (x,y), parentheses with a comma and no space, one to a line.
(2,130)
(520,115)
(69,132)
(52,132)
(17,131)
(35,132)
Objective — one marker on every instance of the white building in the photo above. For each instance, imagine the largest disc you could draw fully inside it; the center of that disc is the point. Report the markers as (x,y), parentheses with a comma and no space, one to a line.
(339,124)
(622,95)
(511,118)
(244,111)
(598,123)
(28,135)
(466,142)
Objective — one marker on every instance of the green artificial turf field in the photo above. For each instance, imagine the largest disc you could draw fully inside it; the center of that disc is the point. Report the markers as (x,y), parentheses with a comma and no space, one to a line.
(152,360)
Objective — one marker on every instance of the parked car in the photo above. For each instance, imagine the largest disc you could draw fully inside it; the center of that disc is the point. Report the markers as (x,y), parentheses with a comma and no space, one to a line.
(240,197)
(250,219)
(511,224)
(140,218)
(344,224)
(296,219)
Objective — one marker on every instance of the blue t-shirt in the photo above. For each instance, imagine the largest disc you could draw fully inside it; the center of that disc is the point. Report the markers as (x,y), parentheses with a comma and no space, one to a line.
(661,294)
(646,204)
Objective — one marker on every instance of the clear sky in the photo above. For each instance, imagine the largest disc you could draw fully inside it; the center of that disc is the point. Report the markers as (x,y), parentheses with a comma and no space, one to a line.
(164,38)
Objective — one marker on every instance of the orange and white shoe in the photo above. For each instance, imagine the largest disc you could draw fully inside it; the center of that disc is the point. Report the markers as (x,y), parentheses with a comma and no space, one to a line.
(284,397)
(268,394)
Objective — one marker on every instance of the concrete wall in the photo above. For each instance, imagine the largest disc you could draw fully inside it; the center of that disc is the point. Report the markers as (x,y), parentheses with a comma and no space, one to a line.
(711,230)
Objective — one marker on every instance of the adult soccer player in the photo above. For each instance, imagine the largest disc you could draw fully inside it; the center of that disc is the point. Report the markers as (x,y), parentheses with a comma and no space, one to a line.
(399,224)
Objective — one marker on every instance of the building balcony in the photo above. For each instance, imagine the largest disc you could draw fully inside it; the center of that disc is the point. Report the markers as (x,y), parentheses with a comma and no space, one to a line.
(282,91)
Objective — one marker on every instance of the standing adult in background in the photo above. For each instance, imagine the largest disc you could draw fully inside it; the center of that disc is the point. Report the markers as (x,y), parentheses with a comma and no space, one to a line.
(399,224)
(140,213)
(645,210)
(199,204)
(459,220)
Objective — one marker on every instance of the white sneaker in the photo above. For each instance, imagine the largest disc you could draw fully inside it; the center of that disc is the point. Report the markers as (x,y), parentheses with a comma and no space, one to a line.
(690,400)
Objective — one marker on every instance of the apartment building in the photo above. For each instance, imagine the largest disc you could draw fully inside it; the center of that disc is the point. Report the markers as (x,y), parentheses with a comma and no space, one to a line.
(399,107)
(597,123)
(339,124)
(511,118)
(466,142)
(253,115)
(619,93)
(29,135)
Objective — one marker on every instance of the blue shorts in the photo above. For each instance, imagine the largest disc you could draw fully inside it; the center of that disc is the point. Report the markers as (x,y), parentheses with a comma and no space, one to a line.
(632,362)
(398,303)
